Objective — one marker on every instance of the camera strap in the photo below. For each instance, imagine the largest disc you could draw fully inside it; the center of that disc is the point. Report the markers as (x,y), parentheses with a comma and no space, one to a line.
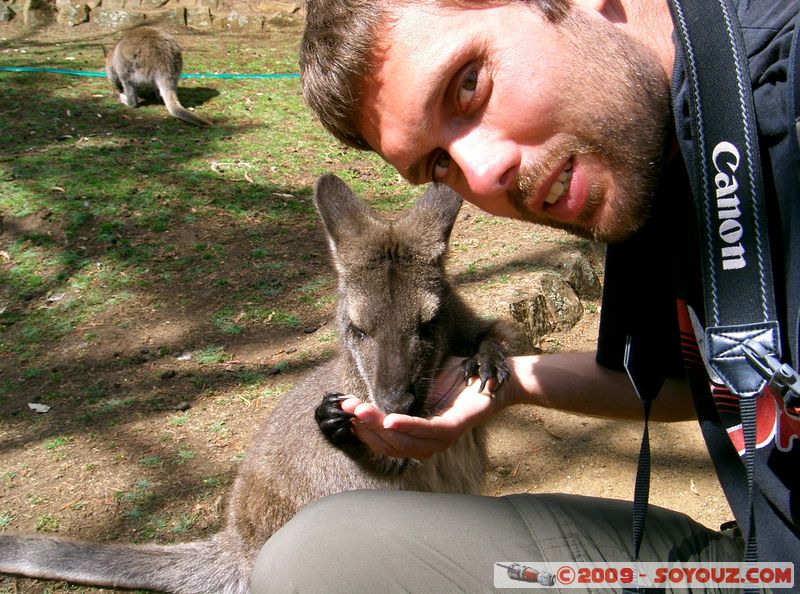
(741,340)
(740,344)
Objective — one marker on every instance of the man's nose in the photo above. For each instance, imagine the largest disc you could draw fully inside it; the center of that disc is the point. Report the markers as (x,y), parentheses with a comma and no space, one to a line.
(488,163)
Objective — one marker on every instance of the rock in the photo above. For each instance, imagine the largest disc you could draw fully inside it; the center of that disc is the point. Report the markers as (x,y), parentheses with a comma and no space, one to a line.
(36,13)
(199,18)
(152,4)
(6,15)
(169,17)
(116,19)
(71,12)
(281,19)
(553,307)
(239,22)
(580,275)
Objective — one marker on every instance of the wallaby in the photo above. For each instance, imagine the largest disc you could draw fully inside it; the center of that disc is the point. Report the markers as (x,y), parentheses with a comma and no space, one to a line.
(147,62)
(397,319)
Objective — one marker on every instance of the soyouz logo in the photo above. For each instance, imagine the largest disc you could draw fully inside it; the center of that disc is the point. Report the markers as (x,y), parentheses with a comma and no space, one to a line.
(518,574)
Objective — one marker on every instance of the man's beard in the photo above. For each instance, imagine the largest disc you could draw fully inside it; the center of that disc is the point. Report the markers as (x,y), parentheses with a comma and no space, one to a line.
(627,133)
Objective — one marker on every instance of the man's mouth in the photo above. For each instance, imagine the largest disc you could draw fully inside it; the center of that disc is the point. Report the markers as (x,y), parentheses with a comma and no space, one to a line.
(560,187)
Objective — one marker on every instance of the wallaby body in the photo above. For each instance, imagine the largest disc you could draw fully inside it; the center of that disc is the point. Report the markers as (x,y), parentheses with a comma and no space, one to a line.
(147,62)
(397,320)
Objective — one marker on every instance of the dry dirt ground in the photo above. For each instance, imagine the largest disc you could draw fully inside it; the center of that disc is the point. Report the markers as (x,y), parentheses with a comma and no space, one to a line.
(155,460)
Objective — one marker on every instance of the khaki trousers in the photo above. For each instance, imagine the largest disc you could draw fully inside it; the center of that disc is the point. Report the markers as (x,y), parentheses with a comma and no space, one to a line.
(402,541)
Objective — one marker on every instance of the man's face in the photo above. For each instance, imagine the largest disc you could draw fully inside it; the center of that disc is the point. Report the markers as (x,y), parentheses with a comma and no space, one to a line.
(557,124)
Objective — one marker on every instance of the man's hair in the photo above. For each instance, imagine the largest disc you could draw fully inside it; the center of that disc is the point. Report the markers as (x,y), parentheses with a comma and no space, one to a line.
(338,51)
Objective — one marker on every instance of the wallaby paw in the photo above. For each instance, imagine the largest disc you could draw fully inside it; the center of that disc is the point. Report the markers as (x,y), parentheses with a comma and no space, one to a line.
(487,367)
(335,424)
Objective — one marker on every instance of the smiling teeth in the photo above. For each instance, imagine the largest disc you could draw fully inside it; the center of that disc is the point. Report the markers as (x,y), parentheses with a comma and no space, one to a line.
(561,185)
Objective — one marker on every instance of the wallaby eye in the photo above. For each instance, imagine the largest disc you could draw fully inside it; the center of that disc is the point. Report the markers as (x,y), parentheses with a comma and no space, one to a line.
(427,329)
(357,332)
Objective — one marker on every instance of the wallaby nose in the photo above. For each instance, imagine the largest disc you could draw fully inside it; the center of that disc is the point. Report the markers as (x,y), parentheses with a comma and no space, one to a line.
(400,402)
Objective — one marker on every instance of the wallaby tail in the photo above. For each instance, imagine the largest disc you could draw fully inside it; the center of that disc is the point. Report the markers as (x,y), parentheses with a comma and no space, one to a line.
(200,567)
(175,108)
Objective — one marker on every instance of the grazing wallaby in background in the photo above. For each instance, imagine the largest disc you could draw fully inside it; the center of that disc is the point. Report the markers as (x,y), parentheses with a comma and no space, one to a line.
(145,63)
(398,318)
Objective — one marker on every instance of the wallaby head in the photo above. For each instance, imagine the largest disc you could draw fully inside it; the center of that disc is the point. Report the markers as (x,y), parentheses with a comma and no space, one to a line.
(392,288)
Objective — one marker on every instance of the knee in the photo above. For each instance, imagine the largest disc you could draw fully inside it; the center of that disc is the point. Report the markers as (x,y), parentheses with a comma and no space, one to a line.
(307,552)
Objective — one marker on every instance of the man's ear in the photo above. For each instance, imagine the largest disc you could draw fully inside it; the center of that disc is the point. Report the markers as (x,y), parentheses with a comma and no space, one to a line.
(612,10)
(596,5)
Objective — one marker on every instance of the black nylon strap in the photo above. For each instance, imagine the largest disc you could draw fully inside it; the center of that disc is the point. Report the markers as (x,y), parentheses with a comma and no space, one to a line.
(647,382)
(739,301)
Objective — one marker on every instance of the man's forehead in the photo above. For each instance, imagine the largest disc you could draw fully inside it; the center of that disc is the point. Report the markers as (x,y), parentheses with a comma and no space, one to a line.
(411,66)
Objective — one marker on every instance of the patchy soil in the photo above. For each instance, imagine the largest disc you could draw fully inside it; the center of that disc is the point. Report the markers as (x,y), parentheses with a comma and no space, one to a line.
(147,423)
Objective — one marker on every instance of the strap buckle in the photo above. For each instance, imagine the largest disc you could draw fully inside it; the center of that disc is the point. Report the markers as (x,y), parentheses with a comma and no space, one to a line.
(781,378)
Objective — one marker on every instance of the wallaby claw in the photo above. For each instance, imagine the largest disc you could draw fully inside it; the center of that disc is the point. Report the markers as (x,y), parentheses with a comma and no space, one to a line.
(471,368)
(335,424)
(487,367)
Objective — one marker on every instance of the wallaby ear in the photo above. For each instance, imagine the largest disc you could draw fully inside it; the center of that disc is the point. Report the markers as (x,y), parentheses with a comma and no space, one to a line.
(343,214)
(441,203)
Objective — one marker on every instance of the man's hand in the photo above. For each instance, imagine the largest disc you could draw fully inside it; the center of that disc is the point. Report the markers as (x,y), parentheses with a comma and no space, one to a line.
(459,407)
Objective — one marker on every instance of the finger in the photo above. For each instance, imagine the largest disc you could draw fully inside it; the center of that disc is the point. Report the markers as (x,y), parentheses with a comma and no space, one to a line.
(403,445)
(350,403)
(434,429)
(398,445)
(374,440)
(369,415)
(369,428)
(365,412)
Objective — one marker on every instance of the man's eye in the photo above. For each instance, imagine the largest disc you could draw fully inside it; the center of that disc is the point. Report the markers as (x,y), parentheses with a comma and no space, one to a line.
(441,166)
(466,90)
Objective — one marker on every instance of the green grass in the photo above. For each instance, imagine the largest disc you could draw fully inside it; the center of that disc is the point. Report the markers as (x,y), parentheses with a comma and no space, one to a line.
(46,523)
(151,461)
(184,455)
(57,442)
(179,420)
(185,523)
(211,354)
(6,519)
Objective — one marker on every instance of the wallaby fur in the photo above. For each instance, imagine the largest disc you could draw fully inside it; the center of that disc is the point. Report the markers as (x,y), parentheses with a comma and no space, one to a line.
(147,62)
(398,318)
